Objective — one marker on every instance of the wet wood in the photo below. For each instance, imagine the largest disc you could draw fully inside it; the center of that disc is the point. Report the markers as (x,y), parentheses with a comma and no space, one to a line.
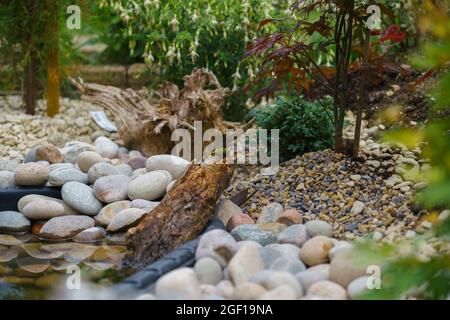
(180,217)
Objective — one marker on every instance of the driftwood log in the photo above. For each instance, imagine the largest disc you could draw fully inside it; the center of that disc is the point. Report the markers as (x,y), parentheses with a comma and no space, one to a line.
(181,216)
(146,121)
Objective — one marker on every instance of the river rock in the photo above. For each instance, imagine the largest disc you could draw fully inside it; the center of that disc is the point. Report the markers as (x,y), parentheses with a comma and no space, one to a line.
(176,166)
(270,213)
(208,271)
(90,235)
(125,219)
(108,212)
(30,174)
(58,166)
(282,292)
(61,176)
(101,169)
(357,208)
(290,217)
(248,291)
(327,290)
(65,227)
(225,209)
(288,264)
(73,149)
(357,287)
(137,162)
(6,179)
(50,153)
(43,209)
(144,204)
(319,228)
(30,156)
(314,274)
(124,169)
(217,244)
(245,263)
(148,186)
(344,269)
(25,200)
(295,234)
(110,189)
(272,279)
(264,234)
(8,165)
(338,247)
(81,198)
(138,172)
(237,220)
(87,159)
(12,221)
(315,250)
(179,284)
(106,147)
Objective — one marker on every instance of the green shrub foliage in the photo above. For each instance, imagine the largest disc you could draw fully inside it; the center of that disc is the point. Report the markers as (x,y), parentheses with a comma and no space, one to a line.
(304,126)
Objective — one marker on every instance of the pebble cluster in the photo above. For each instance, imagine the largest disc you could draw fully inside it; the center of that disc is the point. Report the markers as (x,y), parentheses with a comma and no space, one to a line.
(373,195)
(105,189)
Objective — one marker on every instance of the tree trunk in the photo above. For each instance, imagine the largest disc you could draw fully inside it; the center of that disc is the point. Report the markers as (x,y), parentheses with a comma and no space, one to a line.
(362,94)
(181,215)
(31,81)
(52,63)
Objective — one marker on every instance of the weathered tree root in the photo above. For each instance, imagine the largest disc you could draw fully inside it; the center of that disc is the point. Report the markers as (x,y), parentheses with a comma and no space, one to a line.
(180,217)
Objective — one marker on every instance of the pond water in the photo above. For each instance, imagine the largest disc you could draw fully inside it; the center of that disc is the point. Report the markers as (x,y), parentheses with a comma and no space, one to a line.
(32,269)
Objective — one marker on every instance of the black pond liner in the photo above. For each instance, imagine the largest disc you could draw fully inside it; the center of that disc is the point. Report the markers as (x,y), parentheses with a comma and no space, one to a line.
(10,196)
(140,282)
(182,256)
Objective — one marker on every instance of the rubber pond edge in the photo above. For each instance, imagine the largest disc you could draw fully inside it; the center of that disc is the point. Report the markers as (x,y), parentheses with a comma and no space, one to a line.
(182,256)
(140,282)
(9,197)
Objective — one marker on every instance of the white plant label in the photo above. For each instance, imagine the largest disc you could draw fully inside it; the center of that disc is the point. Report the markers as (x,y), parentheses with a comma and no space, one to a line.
(102,121)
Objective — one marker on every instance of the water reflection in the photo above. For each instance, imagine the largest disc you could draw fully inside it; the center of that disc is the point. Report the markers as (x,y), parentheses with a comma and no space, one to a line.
(32,269)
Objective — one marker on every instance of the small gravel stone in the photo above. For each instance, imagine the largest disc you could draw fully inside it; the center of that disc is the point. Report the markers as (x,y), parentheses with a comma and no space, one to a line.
(319,228)
(6,179)
(125,219)
(217,244)
(290,217)
(327,290)
(264,234)
(357,287)
(288,264)
(245,263)
(357,208)
(50,153)
(208,271)
(108,212)
(270,213)
(314,274)
(61,176)
(90,235)
(81,198)
(315,250)
(179,284)
(101,169)
(176,166)
(237,220)
(111,189)
(149,186)
(87,159)
(30,174)
(60,228)
(296,234)
(12,221)
(226,209)
(106,147)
